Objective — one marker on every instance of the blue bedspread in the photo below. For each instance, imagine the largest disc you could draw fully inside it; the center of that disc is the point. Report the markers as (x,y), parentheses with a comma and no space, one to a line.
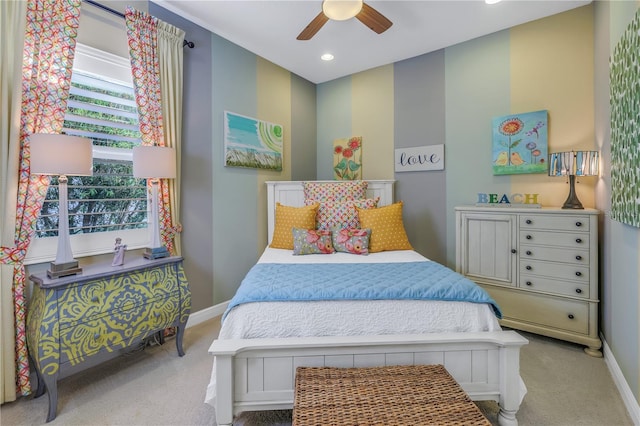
(270,282)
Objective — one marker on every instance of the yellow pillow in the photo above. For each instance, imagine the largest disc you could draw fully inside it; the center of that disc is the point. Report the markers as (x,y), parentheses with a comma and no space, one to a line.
(387,228)
(287,218)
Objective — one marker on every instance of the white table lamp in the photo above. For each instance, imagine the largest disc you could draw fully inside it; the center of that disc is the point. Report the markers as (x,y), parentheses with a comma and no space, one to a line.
(62,155)
(154,162)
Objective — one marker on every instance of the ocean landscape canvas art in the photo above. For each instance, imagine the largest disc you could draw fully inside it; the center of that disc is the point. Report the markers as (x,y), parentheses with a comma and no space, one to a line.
(249,142)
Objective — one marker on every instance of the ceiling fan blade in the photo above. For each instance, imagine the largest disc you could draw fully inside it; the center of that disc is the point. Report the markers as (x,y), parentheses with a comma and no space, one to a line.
(373,19)
(313,27)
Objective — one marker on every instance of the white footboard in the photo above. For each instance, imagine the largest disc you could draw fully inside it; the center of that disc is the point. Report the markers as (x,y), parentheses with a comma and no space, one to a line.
(259,374)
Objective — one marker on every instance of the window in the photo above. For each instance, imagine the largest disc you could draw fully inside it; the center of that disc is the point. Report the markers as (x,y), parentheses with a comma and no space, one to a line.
(111,203)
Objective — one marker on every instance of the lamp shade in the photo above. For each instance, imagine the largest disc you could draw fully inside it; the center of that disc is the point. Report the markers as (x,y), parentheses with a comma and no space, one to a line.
(54,154)
(341,10)
(154,162)
(573,163)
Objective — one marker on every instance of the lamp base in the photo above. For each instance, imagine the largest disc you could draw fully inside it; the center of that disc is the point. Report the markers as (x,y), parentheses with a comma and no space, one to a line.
(573,204)
(58,270)
(572,201)
(155,252)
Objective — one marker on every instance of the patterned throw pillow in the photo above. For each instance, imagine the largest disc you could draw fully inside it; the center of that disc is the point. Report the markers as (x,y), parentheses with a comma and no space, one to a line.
(287,218)
(335,191)
(387,228)
(341,214)
(354,241)
(312,241)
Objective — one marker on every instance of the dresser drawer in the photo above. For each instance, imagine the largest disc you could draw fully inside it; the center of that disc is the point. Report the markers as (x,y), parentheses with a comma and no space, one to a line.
(554,222)
(84,302)
(564,314)
(555,254)
(164,313)
(561,271)
(559,239)
(107,332)
(118,330)
(553,285)
(162,281)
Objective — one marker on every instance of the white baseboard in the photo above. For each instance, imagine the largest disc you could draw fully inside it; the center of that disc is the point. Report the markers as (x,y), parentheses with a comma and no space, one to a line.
(207,314)
(628,398)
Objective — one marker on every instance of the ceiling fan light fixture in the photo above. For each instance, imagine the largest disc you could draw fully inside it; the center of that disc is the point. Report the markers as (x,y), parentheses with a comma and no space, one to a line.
(341,10)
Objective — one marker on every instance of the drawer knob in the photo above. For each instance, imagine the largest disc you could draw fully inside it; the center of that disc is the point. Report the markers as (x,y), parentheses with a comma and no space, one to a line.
(514,251)
(579,240)
(578,257)
(570,316)
(529,283)
(529,253)
(578,274)
(529,222)
(529,237)
(578,224)
(96,336)
(529,267)
(578,290)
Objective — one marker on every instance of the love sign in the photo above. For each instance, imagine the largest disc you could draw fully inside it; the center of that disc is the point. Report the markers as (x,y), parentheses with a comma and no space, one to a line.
(421,158)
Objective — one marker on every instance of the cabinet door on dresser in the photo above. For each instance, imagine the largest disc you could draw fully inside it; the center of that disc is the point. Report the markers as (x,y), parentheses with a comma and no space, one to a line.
(487,247)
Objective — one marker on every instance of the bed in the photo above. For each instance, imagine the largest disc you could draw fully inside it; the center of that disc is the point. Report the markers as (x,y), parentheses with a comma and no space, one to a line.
(268,331)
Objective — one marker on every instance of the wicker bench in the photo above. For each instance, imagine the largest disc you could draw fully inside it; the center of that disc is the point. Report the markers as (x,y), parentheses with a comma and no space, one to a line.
(394,395)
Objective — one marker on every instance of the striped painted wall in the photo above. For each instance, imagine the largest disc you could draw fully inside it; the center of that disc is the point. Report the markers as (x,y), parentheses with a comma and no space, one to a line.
(450,97)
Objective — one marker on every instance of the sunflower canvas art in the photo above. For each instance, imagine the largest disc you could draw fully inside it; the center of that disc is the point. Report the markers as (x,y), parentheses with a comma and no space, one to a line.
(347,158)
(520,143)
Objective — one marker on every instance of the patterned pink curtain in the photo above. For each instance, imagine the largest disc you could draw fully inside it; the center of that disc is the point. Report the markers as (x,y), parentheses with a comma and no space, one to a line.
(49,47)
(142,33)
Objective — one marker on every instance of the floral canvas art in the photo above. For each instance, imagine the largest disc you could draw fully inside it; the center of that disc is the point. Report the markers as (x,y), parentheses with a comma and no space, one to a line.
(520,143)
(347,158)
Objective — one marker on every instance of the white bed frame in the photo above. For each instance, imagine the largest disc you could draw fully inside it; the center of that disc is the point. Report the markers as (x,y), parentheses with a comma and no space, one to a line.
(259,374)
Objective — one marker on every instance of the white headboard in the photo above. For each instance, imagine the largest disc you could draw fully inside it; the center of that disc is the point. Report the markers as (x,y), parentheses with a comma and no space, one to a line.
(290,193)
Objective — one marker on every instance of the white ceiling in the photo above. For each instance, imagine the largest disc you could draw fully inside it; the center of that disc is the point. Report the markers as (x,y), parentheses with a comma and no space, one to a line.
(269,29)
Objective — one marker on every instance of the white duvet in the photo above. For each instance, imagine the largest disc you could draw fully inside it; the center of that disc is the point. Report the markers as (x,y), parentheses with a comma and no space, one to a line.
(335,318)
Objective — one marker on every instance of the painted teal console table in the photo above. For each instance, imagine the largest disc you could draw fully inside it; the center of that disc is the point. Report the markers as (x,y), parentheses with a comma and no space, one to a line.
(79,321)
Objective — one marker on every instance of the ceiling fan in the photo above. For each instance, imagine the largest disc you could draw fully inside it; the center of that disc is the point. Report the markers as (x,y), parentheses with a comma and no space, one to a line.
(341,10)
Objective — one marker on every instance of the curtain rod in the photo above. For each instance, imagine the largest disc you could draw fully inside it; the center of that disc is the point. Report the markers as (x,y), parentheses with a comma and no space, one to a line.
(186,42)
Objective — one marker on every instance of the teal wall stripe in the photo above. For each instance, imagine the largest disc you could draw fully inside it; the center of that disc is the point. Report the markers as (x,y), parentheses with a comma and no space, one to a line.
(235,189)
(477,89)
(334,121)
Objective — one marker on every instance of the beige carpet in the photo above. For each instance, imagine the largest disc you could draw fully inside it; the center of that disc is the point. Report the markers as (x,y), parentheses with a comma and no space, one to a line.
(157,387)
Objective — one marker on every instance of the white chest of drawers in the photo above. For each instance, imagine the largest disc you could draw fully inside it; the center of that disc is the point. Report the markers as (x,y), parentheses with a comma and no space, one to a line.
(540,265)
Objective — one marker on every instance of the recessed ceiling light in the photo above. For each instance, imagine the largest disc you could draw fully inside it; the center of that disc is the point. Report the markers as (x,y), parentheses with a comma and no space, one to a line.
(492,1)
(327,57)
